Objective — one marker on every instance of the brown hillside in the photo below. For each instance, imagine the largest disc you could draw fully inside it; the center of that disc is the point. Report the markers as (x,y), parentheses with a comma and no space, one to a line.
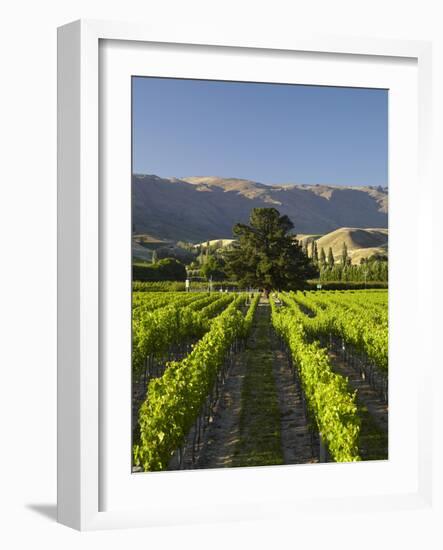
(361,243)
(200,208)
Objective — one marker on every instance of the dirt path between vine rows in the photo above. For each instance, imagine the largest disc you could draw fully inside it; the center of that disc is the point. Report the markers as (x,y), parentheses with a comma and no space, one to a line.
(372,410)
(296,438)
(230,438)
(223,433)
(366,395)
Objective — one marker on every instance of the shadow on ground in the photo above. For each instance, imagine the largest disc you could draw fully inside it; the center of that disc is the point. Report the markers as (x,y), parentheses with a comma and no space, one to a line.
(48,511)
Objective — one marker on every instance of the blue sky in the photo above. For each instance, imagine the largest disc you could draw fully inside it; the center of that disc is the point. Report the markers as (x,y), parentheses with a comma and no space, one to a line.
(263,132)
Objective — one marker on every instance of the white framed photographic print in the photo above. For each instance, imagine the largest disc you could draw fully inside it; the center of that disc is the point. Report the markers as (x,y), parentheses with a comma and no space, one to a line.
(239,314)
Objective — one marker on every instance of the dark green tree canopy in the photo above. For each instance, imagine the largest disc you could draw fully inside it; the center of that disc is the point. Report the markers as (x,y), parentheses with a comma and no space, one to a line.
(168,269)
(213,267)
(322,258)
(266,255)
(331,260)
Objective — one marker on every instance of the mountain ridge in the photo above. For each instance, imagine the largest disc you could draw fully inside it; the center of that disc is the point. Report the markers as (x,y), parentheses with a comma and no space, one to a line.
(199,208)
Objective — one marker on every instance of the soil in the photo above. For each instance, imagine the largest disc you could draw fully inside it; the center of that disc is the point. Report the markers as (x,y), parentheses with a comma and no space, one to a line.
(223,433)
(295,433)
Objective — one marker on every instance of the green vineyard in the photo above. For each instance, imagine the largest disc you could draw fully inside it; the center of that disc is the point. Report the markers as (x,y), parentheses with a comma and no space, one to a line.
(240,378)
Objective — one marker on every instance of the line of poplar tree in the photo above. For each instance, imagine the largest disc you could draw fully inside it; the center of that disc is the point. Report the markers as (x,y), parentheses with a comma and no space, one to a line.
(374,268)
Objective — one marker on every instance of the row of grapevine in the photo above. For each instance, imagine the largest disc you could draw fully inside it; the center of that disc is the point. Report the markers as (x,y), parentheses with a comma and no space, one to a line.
(180,286)
(249,317)
(175,400)
(158,286)
(154,332)
(356,301)
(150,301)
(327,394)
(367,333)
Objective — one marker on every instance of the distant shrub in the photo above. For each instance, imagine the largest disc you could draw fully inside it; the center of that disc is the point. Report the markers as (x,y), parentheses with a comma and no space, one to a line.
(177,253)
(345,285)
(179,286)
(159,286)
(167,269)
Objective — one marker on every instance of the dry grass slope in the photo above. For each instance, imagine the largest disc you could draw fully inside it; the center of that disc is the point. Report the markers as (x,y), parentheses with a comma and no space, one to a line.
(361,243)
(200,208)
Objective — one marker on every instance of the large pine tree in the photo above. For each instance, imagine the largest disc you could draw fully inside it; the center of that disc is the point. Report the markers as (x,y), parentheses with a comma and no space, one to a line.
(266,255)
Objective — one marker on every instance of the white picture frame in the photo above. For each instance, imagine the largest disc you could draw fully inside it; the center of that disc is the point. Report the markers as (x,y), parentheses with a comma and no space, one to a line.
(81,257)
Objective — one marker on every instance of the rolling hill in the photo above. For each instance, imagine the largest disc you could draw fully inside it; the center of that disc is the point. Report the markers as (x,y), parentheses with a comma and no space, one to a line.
(197,209)
(361,243)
